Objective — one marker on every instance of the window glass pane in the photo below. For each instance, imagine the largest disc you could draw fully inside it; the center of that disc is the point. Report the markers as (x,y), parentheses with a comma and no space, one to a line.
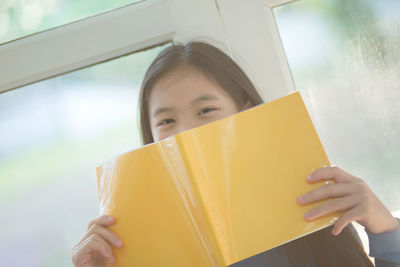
(53,134)
(345,60)
(22,17)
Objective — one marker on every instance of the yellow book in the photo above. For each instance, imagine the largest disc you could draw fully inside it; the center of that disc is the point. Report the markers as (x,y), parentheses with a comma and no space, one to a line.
(216,194)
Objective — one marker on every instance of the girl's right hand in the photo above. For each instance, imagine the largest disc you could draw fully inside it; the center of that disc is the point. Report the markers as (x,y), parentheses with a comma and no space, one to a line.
(95,246)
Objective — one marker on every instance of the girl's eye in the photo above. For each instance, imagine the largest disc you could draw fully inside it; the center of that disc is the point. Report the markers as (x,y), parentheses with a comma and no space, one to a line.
(206,110)
(165,122)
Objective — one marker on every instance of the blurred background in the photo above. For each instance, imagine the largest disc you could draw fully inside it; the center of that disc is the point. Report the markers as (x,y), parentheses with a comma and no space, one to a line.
(344,58)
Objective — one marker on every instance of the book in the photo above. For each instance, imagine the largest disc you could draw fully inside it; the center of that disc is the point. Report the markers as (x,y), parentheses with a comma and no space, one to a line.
(216,194)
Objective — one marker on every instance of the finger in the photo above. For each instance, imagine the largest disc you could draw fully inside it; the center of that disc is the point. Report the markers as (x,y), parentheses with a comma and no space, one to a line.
(103,220)
(337,204)
(327,191)
(105,233)
(95,243)
(330,173)
(345,219)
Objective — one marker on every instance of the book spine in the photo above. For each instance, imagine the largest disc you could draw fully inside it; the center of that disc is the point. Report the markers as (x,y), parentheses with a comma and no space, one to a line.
(204,221)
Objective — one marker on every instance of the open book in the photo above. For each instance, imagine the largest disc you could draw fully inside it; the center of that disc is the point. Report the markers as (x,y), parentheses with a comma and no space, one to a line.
(216,194)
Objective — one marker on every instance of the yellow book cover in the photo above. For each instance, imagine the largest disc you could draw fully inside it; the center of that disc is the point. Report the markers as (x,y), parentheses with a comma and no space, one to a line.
(216,194)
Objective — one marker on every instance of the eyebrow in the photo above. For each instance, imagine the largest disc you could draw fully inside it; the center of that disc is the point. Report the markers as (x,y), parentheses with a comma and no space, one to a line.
(193,102)
(203,98)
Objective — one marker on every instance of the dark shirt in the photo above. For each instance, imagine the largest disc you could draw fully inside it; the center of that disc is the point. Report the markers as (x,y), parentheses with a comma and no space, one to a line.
(385,248)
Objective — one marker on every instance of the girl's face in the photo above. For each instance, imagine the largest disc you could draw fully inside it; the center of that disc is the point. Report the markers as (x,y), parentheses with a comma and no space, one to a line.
(186,99)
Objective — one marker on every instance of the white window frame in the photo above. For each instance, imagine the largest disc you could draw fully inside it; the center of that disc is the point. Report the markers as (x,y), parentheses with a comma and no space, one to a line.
(83,43)
(254,43)
(275,3)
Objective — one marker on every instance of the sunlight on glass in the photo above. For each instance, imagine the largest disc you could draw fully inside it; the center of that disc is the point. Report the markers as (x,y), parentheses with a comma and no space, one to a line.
(345,60)
(53,134)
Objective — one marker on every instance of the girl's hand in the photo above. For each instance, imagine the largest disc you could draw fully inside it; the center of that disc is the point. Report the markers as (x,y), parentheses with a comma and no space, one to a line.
(349,194)
(95,246)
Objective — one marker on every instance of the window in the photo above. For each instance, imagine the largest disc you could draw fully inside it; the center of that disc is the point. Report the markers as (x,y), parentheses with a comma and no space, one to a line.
(344,59)
(19,18)
(54,133)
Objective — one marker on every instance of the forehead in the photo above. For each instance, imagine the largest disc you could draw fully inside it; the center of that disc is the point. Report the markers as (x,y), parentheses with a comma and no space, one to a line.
(182,85)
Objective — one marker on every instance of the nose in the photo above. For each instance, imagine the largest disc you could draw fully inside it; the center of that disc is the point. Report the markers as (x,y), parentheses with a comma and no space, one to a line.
(190,123)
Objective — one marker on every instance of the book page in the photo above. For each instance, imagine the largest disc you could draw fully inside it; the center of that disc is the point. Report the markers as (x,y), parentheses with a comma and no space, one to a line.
(249,169)
(149,194)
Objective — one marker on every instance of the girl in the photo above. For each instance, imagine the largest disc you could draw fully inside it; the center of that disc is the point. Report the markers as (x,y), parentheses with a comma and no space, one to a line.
(188,86)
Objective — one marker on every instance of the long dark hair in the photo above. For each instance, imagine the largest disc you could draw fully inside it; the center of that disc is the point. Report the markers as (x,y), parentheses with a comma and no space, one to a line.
(206,59)
(326,250)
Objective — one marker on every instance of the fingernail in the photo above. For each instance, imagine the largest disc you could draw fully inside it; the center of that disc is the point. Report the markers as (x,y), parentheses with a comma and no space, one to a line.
(300,199)
(308,178)
(307,215)
(119,243)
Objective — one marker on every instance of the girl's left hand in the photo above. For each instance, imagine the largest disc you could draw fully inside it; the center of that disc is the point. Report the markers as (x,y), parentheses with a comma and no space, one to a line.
(349,194)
